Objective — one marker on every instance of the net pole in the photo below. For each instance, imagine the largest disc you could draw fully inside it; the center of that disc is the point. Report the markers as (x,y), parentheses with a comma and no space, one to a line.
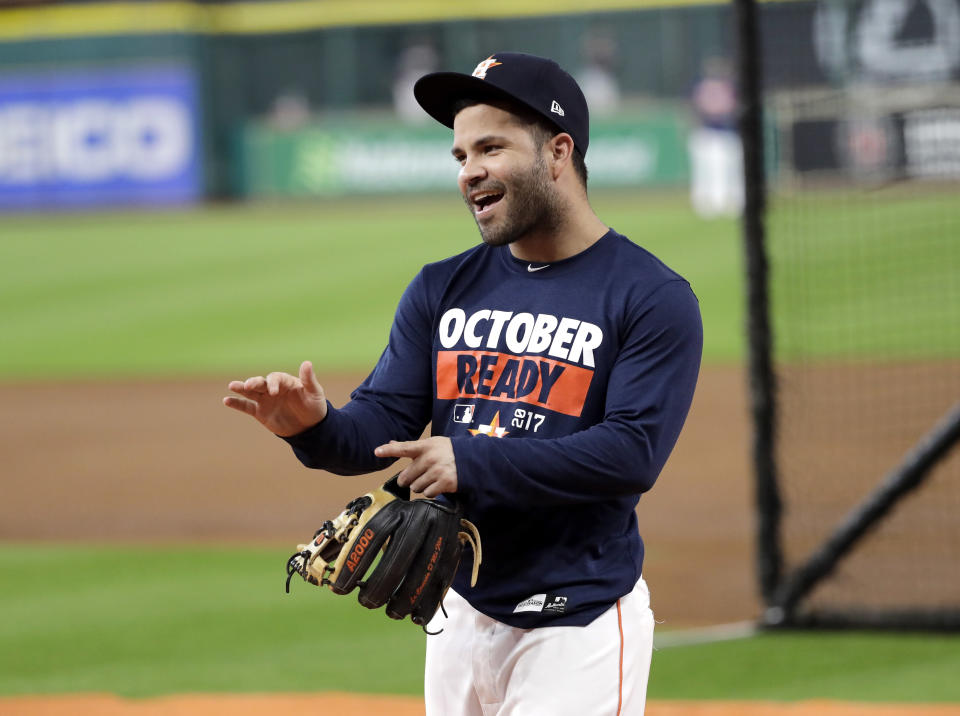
(760,344)
(909,475)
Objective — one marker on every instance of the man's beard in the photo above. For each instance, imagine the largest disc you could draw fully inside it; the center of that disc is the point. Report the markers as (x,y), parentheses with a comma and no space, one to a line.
(532,205)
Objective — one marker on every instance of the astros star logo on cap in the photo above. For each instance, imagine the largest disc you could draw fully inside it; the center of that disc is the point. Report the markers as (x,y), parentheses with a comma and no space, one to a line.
(538,83)
(481,70)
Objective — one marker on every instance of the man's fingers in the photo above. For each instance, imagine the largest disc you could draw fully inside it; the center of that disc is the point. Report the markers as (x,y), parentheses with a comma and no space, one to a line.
(434,490)
(411,473)
(241,404)
(432,482)
(257,384)
(431,472)
(308,378)
(276,382)
(397,449)
(306,374)
(422,483)
(250,386)
(281,381)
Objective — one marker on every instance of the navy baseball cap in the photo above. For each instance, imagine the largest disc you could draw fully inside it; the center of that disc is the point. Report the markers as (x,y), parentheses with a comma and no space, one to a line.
(536,82)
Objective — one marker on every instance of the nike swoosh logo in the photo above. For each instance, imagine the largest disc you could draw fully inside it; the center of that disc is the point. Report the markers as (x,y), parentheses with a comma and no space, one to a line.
(531,269)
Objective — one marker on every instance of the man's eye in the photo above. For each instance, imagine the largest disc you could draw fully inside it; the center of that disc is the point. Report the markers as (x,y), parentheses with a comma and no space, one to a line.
(491,148)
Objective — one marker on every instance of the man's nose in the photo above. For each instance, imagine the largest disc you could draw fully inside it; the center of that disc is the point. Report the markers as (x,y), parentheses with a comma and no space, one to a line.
(471,172)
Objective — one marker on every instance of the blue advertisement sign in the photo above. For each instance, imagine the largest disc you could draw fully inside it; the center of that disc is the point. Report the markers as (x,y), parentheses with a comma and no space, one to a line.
(100,136)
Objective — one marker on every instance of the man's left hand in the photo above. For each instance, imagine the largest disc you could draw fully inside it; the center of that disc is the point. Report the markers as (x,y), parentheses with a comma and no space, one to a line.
(433,470)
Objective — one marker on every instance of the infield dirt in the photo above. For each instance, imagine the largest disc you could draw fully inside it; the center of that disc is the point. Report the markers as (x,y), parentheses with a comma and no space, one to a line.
(167,461)
(160,461)
(309,705)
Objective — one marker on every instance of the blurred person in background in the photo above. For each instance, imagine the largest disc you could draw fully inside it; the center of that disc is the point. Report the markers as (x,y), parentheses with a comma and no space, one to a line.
(416,60)
(716,158)
(290,110)
(597,78)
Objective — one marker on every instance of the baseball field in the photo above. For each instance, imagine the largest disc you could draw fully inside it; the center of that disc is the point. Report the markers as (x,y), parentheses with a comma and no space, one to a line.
(144,527)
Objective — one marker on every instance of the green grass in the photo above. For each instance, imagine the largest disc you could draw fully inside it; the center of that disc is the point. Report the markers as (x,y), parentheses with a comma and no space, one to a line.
(866,276)
(145,621)
(788,666)
(141,622)
(230,290)
(209,290)
(226,290)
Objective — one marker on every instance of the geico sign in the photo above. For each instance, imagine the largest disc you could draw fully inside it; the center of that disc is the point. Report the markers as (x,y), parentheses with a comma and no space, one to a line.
(94,140)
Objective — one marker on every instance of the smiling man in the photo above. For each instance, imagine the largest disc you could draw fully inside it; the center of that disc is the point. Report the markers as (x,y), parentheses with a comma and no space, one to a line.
(556,363)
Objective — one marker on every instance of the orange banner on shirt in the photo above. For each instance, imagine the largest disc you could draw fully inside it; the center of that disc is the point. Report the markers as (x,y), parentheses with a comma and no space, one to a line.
(546,383)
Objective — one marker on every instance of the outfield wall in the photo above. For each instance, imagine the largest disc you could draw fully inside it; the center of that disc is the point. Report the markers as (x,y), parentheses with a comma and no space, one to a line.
(254,68)
(257,67)
(335,158)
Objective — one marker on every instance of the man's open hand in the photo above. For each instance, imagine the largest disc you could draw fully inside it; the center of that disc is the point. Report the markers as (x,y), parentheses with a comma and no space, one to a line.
(283,403)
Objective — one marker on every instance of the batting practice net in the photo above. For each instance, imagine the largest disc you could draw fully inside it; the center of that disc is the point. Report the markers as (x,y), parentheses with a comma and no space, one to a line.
(851,129)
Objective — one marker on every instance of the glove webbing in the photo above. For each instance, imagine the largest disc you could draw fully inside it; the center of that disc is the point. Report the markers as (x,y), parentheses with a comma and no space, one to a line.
(327,543)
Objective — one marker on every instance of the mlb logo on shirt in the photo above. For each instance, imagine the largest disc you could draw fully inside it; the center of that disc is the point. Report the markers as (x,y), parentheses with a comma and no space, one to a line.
(463,413)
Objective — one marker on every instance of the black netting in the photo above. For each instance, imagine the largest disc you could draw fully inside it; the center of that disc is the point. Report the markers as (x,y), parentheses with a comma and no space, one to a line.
(862,103)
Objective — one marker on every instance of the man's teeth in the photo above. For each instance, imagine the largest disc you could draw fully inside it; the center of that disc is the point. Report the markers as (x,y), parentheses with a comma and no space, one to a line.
(484,201)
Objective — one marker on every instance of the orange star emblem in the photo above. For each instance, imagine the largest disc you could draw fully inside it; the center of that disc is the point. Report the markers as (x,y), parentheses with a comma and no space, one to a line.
(492,430)
(481,70)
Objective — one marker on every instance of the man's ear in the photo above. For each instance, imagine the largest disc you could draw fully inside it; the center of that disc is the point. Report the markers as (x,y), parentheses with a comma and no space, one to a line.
(560,147)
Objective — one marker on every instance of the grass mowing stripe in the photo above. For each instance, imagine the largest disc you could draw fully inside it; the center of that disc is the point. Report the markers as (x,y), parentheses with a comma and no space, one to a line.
(228,290)
(851,666)
(188,281)
(866,276)
(221,290)
(143,621)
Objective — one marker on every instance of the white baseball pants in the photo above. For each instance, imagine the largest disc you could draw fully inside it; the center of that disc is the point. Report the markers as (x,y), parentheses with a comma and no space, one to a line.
(478,666)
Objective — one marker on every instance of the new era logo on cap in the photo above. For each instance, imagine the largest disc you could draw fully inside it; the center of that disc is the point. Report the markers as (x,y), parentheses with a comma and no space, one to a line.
(536,82)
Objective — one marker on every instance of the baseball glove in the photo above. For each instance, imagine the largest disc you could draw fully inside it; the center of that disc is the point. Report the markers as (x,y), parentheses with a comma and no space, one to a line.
(419,543)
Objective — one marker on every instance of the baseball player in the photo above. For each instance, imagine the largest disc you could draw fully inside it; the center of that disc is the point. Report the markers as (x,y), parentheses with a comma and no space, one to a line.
(556,362)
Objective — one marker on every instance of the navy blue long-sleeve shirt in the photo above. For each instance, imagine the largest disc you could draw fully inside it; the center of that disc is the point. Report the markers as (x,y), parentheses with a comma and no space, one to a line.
(563,388)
